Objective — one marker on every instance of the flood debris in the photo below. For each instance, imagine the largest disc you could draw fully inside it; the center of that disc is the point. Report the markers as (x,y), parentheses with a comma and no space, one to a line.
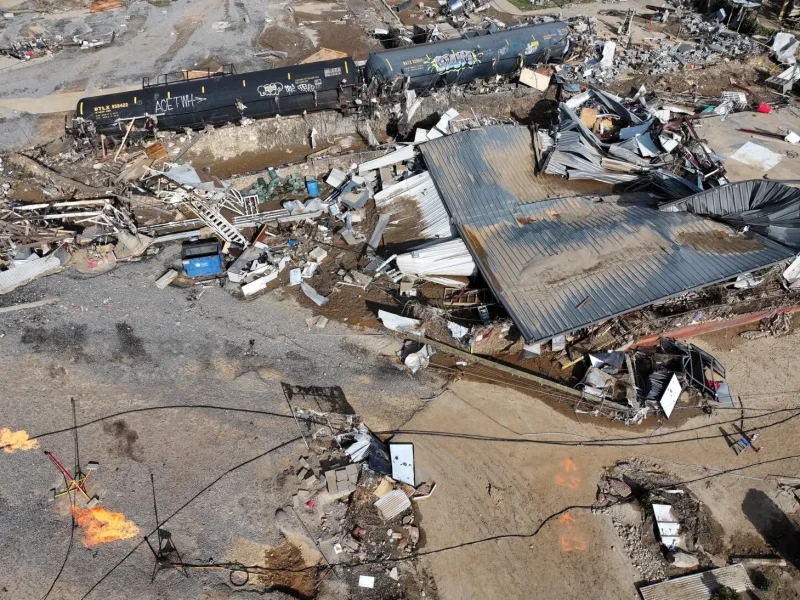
(653,379)
(343,494)
(609,220)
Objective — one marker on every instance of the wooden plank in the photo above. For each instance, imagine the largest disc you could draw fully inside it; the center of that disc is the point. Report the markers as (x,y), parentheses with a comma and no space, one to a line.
(101,5)
(473,358)
(323,54)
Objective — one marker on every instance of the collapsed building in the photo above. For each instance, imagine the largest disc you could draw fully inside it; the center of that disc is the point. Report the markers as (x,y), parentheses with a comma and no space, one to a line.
(613,224)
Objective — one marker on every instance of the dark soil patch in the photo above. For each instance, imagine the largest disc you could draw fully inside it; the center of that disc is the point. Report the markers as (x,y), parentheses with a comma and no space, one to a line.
(126,439)
(292,575)
(64,340)
(129,346)
(28,190)
(291,41)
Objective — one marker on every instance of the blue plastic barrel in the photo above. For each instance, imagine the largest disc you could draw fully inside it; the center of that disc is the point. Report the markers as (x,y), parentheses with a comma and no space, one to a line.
(313,187)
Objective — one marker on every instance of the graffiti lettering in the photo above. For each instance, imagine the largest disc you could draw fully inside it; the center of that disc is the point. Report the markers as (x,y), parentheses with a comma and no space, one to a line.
(270,89)
(531,48)
(455,61)
(306,87)
(187,101)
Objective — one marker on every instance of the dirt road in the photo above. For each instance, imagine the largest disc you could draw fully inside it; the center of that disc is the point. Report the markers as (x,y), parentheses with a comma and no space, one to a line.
(491,489)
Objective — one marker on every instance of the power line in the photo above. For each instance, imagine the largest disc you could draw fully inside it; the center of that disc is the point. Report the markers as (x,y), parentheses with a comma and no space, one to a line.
(69,546)
(189,501)
(492,538)
(588,442)
(619,442)
(149,408)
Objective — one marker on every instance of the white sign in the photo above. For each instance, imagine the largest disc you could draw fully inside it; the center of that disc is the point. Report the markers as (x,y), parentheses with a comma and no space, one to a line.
(671,395)
(402,462)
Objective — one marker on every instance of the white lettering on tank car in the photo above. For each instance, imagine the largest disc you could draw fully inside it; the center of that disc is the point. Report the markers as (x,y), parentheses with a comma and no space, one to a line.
(270,89)
(187,101)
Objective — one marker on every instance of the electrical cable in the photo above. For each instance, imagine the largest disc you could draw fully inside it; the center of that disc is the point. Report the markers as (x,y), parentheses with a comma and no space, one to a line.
(538,388)
(624,441)
(615,442)
(71,500)
(149,408)
(69,546)
(422,553)
(189,501)
(256,569)
(589,442)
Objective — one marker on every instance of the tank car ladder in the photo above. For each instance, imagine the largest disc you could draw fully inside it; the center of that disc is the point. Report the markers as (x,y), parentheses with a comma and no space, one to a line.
(216,221)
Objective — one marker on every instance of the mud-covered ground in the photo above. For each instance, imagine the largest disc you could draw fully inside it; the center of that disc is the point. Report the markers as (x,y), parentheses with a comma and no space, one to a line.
(120,346)
(155,375)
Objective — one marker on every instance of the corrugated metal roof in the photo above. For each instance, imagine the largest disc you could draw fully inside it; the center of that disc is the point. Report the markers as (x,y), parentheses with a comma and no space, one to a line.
(769,207)
(434,222)
(438,258)
(392,504)
(561,264)
(698,586)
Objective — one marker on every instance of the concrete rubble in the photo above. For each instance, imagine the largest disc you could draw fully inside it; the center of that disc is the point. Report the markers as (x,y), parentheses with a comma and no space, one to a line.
(616,177)
(354,513)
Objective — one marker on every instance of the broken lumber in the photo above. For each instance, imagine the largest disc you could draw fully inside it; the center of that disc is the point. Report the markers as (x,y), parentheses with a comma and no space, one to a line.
(35,168)
(24,305)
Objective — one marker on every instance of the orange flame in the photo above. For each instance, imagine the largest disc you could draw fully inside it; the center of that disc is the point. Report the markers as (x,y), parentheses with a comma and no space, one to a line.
(102,526)
(11,441)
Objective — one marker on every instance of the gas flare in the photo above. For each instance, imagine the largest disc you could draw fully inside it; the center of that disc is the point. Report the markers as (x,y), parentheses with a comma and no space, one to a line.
(11,441)
(102,526)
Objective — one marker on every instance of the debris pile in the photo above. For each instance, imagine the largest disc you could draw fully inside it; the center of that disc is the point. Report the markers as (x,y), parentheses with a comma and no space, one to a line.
(663,527)
(28,49)
(704,41)
(606,138)
(653,379)
(350,502)
(774,325)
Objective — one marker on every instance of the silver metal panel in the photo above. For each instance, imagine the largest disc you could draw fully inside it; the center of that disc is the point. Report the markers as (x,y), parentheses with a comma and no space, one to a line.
(768,207)
(420,190)
(563,263)
(392,504)
(698,586)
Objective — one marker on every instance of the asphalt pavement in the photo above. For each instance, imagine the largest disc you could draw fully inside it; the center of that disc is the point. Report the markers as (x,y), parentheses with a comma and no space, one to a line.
(155,374)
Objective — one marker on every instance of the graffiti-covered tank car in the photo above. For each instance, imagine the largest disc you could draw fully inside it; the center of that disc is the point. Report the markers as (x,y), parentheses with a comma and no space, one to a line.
(223,97)
(477,55)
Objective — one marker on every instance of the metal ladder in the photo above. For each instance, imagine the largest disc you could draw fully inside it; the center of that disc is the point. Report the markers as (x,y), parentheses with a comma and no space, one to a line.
(217,222)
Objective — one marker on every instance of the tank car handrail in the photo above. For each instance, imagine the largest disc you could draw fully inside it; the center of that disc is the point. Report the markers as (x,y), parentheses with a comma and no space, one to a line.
(162,79)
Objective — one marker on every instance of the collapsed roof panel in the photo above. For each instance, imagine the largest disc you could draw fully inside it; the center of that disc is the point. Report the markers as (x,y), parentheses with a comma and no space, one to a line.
(561,264)
(417,203)
(768,207)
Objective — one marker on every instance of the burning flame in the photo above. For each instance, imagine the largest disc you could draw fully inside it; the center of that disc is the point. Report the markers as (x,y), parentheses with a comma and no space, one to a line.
(11,441)
(103,526)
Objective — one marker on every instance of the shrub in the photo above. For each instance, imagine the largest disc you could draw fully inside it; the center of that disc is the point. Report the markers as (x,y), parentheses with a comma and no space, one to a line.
(763,582)
(723,592)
